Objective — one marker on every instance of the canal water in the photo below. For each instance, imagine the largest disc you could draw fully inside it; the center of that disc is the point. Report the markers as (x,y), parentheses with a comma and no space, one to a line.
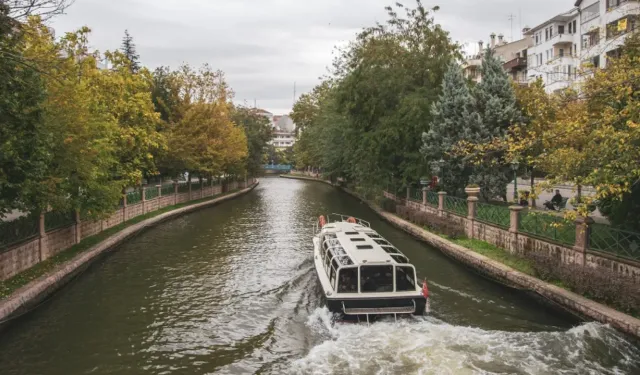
(232,290)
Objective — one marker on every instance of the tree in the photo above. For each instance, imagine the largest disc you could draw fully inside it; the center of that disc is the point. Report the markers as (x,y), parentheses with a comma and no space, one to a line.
(129,50)
(23,141)
(80,132)
(495,113)
(45,9)
(127,96)
(447,127)
(258,132)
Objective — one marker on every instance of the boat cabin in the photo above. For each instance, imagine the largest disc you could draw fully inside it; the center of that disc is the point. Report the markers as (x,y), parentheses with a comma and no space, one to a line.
(357,259)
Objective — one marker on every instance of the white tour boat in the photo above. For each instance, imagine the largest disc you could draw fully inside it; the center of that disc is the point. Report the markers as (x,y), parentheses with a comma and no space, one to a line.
(363,275)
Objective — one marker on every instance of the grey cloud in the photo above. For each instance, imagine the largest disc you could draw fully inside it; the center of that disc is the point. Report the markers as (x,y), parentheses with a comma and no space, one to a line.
(265,45)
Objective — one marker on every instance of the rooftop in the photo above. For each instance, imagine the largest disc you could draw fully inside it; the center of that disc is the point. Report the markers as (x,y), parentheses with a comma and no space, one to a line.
(562,17)
(363,245)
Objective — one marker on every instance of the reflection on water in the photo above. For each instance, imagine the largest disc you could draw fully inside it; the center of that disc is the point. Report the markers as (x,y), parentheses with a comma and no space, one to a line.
(232,290)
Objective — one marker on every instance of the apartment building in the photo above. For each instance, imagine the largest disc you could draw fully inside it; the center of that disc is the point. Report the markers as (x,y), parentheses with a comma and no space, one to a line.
(567,47)
(284,135)
(512,54)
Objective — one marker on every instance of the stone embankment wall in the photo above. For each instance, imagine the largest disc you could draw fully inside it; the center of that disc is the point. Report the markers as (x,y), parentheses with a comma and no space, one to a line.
(25,255)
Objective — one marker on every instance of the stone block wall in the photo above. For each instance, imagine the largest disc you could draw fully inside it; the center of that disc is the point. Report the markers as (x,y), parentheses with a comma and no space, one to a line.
(29,253)
(89,228)
(115,219)
(60,239)
(19,258)
(134,210)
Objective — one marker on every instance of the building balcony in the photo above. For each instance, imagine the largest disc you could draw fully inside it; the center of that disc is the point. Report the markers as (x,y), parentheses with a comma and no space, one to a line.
(516,64)
(560,39)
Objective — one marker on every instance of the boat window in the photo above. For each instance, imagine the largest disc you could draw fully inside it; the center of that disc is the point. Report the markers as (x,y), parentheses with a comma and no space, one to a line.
(405,279)
(358,239)
(334,269)
(382,241)
(391,250)
(348,280)
(327,260)
(399,258)
(376,279)
(351,233)
(374,235)
(364,247)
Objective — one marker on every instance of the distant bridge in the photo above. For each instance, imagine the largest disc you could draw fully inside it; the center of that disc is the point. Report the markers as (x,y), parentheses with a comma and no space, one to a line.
(277,168)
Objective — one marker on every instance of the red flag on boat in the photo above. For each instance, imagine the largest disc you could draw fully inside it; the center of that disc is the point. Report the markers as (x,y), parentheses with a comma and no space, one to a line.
(425,289)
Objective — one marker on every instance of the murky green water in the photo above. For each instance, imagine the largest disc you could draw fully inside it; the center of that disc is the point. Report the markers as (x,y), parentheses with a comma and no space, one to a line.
(231,290)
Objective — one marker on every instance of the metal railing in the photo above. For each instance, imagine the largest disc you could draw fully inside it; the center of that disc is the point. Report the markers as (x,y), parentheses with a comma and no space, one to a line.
(167,190)
(615,241)
(183,187)
(151,193)
(56,219)
(456,205)
(433,199)
(492,214)
(548,227)
(134,197)
(18,230)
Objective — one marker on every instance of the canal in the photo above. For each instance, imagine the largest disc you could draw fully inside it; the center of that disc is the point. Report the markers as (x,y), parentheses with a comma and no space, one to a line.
(231,290)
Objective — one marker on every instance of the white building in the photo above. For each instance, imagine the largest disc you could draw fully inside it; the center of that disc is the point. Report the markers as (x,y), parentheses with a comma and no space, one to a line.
(284,135)
(513,56)
(568,46)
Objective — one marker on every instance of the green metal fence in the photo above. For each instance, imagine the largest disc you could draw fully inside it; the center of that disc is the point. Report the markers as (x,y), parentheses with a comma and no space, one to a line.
(550,227)
(151,193)
(183,187)
(616,241)
(56,219)
(456,205)
(416,195)
(432,198)
(18,230)
(167,190)
(491,214)
(134,197)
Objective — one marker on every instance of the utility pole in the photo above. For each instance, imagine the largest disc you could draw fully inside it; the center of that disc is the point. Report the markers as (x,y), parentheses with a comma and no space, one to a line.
(255,104)
(511,18)
(520,19)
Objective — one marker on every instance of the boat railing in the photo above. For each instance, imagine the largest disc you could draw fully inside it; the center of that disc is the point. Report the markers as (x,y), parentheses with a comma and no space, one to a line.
(334,217)
(339,218)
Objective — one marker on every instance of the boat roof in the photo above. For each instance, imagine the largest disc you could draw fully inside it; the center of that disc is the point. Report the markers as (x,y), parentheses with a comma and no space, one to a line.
(364,245)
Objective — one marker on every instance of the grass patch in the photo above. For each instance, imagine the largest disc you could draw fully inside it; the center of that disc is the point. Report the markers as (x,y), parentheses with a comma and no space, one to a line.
(7,287)
(497,254)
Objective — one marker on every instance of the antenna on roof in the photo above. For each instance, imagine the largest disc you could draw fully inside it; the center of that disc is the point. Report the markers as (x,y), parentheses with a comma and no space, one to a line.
(511,18)
(520,19)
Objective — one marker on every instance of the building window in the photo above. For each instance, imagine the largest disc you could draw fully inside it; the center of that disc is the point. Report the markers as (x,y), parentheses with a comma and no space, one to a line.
(561,52)
(546,34)
(561,29)
(570,28)
(591,12)
(575,26)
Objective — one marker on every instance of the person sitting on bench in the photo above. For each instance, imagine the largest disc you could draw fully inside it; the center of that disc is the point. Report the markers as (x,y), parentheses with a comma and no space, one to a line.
(555,202)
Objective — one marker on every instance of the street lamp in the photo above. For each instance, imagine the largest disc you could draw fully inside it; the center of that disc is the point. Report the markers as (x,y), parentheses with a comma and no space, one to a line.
(514,166)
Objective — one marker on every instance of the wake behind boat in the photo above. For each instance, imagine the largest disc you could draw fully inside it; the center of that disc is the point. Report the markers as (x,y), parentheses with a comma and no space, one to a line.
(362,274)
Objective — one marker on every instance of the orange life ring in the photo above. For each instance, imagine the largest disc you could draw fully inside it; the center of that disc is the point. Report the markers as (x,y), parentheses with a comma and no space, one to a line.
(351,220)
(322,221)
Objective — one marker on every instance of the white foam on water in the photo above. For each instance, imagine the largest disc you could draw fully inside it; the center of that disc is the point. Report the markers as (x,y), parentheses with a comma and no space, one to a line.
(430,346)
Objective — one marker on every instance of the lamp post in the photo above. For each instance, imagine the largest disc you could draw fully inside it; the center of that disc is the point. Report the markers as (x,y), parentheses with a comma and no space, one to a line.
(514,166)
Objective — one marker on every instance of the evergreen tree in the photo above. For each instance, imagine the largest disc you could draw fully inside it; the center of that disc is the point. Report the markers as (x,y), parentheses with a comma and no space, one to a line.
(495,111)
(447,127)
(129,50)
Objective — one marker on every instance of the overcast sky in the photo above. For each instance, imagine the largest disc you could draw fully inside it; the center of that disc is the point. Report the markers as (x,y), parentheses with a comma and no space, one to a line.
(264,46)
